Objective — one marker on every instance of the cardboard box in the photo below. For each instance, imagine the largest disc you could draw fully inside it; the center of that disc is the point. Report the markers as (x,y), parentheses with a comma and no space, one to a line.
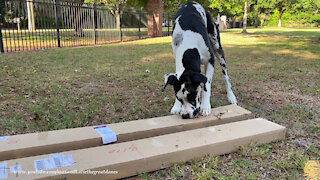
(25,145)
(144,155)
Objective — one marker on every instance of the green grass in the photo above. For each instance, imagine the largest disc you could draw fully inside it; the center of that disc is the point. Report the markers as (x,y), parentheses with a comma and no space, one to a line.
(274,73)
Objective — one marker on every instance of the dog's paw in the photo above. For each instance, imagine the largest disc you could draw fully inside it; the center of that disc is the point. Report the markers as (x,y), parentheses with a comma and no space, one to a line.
(232,98)
(175,110)
(205,109)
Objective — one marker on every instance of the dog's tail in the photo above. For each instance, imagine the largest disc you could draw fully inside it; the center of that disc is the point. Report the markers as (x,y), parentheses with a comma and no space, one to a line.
(213,29)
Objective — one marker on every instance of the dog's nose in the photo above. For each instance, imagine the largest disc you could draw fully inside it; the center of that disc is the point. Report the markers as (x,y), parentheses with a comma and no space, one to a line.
(185,116)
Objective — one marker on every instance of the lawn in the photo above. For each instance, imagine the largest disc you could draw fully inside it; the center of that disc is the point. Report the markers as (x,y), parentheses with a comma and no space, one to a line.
(275,73)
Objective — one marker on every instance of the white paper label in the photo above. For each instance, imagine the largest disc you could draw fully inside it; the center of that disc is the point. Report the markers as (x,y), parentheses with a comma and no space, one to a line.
(212,129)
(54,161)
(63,160)
(108,136)
(3,138)
(156,143)
(56,155)
(15,169)
(3,170)
(44,164)
(152,122)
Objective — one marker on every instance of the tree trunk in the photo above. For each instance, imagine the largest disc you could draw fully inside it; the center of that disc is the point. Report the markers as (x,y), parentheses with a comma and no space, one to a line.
(257,19)
(117,14)
(245,16)
(155,17)
(234,22)
(280,16)
(31,22)
(78,19)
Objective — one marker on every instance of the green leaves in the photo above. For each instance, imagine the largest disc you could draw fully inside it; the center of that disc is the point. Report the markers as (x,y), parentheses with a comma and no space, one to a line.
(229,8)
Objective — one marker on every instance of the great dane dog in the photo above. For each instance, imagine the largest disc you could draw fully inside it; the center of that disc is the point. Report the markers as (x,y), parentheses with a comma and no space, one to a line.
(195,41)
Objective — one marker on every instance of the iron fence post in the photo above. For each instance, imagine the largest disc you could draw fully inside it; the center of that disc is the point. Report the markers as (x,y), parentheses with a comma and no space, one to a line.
(168,23)
(1,41)
(139,24)
(57,23)
(119,11)
(93,10)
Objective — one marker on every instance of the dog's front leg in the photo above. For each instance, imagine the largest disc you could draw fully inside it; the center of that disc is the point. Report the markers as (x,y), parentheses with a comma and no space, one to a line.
(176,109)
(205,107)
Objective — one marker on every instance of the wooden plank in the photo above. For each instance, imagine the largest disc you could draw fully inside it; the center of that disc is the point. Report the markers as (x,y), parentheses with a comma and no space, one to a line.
(144,155)
(25,145)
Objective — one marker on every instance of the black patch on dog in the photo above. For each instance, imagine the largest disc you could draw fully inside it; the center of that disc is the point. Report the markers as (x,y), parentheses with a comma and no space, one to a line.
(210,24)
(191,19)
(191,97)
(191,60)
(223,65)
(192,80)
(220,51)
(196,112)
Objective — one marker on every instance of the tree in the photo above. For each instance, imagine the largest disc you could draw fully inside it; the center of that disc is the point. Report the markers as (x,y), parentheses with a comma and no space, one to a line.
(114,7)
(245,16)
(31,20)
(233,8)
(263,10)
(230,8)
(306,11)
(280,5)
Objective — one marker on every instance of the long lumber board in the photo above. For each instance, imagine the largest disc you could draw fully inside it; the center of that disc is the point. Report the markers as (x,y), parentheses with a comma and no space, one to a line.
(144,155)
(25,145)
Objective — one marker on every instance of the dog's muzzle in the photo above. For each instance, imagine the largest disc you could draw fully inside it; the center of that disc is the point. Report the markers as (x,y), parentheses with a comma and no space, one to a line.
(195,114)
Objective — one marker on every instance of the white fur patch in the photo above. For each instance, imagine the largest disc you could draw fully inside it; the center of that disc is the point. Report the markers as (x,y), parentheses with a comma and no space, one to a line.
(176,109)
(202,12)
(180,94)
(190,40)
(166,76)
(205,107)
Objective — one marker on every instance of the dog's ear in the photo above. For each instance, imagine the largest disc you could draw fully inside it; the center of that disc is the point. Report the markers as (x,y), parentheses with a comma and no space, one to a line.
(169,79)
(201,80)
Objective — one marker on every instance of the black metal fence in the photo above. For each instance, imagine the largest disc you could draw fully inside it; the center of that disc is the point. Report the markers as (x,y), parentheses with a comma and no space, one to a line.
(31,25)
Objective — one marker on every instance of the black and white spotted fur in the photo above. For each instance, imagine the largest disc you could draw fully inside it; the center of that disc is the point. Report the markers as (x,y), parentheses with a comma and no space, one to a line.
(195,41)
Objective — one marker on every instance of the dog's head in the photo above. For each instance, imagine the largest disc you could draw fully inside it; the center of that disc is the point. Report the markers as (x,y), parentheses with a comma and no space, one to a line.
(187,90)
